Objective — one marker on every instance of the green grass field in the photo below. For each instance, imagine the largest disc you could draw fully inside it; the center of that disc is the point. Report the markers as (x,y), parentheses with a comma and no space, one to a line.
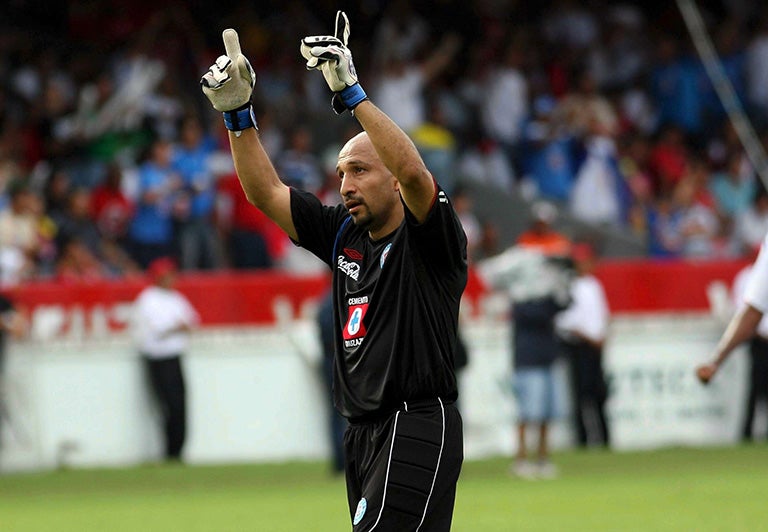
(675,489)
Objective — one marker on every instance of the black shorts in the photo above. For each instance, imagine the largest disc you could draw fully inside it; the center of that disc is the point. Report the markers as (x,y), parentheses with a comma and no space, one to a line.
(402,470)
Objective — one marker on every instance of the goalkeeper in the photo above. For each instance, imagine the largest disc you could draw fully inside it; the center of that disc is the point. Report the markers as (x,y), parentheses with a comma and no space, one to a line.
(398,256)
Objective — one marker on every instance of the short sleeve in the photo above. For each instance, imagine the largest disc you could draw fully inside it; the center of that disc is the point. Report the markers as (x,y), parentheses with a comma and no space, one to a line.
(316,224)
(756,290)
(440,238)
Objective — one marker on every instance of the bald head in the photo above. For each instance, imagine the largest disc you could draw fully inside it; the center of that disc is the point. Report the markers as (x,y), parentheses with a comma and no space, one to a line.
(359,144)
(369,190)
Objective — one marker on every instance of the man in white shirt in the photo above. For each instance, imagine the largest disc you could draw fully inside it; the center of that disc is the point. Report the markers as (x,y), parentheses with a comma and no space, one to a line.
(162,321)
(758,353)
(583,327)
(744,323)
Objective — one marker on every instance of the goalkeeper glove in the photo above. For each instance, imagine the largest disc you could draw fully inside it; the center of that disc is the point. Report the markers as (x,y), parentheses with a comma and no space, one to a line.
(228,84)
(330,55)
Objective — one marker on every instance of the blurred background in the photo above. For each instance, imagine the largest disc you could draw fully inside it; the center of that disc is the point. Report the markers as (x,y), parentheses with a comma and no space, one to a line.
(603,108)
(110,156)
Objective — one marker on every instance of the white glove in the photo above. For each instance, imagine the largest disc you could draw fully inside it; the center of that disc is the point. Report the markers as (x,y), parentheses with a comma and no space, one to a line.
(330,55)
(229,82)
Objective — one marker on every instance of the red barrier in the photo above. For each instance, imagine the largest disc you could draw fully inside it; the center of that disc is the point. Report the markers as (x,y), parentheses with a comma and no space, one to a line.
(231,298)
(663,286)
(236,298)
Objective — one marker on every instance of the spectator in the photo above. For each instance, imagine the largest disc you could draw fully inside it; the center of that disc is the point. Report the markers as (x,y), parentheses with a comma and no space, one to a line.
(76,223)
(56,192)
(541,234)
(668,159)
(676,86)
(399,89)
(548,161)
(600,194)
(151,231)
(18,234)
(699,226)
(253,241)
(585,111)
(401,32)
(112,213)
(733,188)
(571,25)
(533,274)
(633,163)
(46,230)
(483,161)
(583,328)
(664,223)
(535,388)
(198,241)
(76,262)
(164,110)
(437,145)
(621,56)
(505,108)
(111,208)
(297,165)
(162,321)
(757,387)
(728,36)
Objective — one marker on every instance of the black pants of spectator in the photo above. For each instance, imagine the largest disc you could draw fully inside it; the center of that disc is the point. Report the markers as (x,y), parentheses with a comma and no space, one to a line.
(758,383)
(590,393)
(167,380)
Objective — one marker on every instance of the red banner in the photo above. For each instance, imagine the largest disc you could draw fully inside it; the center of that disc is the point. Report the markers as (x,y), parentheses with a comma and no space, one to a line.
(234,298)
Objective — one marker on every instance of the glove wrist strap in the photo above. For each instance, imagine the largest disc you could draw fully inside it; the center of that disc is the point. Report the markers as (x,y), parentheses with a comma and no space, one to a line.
(350,97)
(241,118)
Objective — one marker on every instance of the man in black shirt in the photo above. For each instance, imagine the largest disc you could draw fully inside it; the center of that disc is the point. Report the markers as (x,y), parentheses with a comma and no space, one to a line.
(398,256)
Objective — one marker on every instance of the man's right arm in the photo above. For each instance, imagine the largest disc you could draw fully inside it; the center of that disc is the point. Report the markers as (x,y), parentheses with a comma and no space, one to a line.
(228,84)
(741,328)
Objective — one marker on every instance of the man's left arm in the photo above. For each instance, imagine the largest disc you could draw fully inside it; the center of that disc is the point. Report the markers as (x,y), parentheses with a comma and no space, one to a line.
(398,153)
(330,55)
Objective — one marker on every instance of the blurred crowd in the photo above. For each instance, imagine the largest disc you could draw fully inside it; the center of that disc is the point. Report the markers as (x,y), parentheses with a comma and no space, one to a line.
(110,156)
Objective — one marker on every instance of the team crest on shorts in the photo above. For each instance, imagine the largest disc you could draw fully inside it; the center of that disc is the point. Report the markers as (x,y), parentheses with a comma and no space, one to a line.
(360,512)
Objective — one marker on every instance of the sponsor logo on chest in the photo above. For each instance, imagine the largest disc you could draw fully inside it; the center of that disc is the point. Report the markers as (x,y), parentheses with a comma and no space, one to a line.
(351,269)
(354,329)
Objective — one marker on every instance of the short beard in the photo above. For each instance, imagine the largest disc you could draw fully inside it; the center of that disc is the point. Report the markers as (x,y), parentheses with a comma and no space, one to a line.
(363,221)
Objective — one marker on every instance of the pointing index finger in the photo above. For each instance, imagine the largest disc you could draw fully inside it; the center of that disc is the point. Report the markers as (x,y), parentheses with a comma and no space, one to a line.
(231,43)
(341,31)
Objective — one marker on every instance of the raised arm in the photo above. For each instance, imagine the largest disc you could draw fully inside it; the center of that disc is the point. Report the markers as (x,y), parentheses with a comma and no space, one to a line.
(400,156)
(330,55)
(228,84)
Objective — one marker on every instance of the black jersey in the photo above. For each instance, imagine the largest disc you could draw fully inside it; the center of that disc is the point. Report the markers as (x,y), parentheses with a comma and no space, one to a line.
(396,302)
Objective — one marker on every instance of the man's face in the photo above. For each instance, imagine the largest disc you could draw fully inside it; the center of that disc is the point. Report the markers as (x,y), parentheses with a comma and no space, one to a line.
(368,189)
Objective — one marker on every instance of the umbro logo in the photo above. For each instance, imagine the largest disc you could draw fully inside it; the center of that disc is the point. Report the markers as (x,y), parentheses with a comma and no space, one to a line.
(353,254)
(442,197)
